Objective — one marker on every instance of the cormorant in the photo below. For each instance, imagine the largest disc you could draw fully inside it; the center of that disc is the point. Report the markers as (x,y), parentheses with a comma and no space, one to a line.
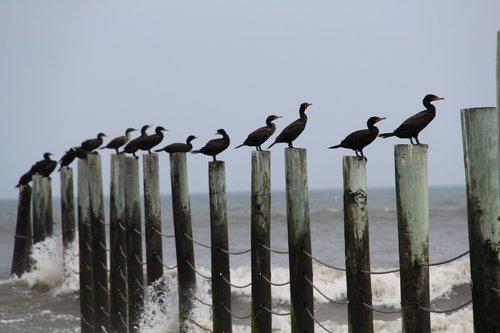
(25,179)
(360,139)
(179,147)
(81,152)
(92,144)
(152,140)
(410,128)
(132,146)
(44,167)
(260,135)
(67,158)
(215,146)
(120,140)
(293,130)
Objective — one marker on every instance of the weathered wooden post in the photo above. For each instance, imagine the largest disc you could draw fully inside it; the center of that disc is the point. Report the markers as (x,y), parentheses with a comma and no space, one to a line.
(181,208)
(261,235)
(99,249)
(118,253)
(152,215)
(481,144)
(221,290)
(23,238)
(413,233)
(67,207)
(49,218)
(357,245)
(40,195)
(135,271)
(299,241)
(85,249)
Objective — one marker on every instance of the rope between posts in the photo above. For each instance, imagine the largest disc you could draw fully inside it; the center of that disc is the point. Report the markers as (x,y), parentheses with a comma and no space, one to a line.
(317,321)
(381,311)
(272,250)
(380,272)
(235,315)
(202,302)
(162,234)
(234,253)
(196,271)
(275,313)
(272,283)
(322,263)
(446,261)
(203,328)
(233,285)
(196,242)
(161,261)
(319,291)
(445,311)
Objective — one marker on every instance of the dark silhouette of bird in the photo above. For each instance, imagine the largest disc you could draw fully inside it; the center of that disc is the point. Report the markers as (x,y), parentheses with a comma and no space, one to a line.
(150,141)
(179,147)
(411,127)
(133,146)
(67,158)
(120,140)
(293,130)
(360,139)
(260,135)
(44,167)
(215,146)
(93,144)
(81,152)
(25,179)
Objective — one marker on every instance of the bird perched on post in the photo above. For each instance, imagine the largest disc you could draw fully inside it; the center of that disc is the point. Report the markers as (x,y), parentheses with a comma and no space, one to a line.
(44,167)
(360,139)
(179,147)
(260,135)
(411,127)
(150,141)
(133,146)
(293,130)
(215,146)
(67,158)
(119,140)
(25,179)
(93,144)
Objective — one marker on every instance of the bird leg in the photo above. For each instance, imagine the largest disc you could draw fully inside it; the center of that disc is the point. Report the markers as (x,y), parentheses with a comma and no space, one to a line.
(290,145)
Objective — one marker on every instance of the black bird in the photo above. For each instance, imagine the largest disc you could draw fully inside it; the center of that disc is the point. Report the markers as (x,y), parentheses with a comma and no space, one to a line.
(25,179)
(410,128)
(67,158)
(360,139)
(92,144)
(152,140)
(81,152)
(44,167)
(120,140)
(179,147)
(260,135)
(215,146)
(133,146)
(293,130)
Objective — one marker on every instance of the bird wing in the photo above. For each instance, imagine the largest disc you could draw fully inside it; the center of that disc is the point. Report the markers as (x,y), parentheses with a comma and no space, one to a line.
(417,121)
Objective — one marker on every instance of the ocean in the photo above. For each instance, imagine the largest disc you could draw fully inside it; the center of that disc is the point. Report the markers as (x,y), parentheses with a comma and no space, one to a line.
(46,299)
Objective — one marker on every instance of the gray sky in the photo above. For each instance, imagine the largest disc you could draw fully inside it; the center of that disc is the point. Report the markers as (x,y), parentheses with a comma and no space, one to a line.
(71,69)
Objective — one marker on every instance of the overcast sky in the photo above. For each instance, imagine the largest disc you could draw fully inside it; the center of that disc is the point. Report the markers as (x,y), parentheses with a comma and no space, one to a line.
(71,69)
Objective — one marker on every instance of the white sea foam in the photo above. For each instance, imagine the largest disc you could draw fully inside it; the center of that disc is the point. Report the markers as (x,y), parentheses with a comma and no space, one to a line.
(47,269)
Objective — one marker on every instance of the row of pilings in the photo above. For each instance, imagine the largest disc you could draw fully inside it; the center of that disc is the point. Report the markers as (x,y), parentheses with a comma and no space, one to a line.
(112,295)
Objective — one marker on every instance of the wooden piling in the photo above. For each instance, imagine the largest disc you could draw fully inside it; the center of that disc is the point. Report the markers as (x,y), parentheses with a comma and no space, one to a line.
(85,249)
(221,290)
(40,204)
(299,241)
(181,208)
(135,271)
(117,247)
(152,215)
(260,237)
(357,245)
(481,144)
(49,217)
(413,232)
(99,249)
(67,207)
(23,238)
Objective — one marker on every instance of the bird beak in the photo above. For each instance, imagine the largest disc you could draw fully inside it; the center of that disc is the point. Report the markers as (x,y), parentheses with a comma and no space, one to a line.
(438,98)
(380,119)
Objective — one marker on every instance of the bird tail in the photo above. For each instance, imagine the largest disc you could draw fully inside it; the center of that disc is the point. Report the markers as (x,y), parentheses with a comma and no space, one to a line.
(158,150)
(333,147)
(239,146)
(386,135)
(103,147)
(272,144)
(195,151)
